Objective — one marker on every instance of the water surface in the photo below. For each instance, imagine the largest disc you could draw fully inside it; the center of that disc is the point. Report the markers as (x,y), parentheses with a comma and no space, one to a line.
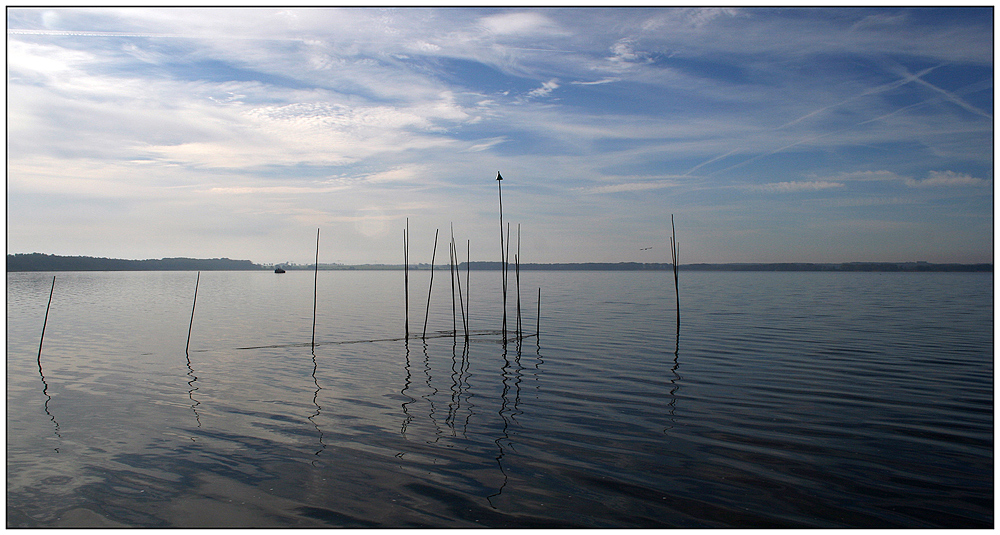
(786,400)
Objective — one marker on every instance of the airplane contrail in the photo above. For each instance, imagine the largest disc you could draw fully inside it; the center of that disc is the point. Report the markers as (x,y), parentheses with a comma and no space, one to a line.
(906,77)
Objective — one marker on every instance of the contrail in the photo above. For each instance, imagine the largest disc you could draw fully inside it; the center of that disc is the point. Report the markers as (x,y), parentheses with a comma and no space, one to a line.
(953,98)
(906,78)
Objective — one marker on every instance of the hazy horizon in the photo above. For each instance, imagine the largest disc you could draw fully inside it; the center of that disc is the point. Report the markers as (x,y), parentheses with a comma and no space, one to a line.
(814,135)
(439,262)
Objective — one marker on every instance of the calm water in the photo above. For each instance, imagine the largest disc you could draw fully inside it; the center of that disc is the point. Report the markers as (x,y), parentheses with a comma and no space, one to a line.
(786,400)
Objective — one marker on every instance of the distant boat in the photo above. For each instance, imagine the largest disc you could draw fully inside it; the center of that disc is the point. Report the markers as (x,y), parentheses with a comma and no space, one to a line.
(279,270)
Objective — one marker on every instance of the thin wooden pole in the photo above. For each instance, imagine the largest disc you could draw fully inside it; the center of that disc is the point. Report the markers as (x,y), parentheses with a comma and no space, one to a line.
(406,280)
(451,269)
(503,259)
(193,304)
(506,270)
(458,276)
(431,285)
(517,280)
(538,315)
(468,287)
(45,322)
(673,251)
(315,286)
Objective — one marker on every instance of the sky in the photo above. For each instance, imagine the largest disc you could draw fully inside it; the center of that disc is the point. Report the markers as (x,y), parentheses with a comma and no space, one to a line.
(768,134)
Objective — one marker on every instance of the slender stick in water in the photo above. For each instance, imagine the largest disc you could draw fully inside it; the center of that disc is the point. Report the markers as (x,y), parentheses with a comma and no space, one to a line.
(458,276)
(517,280)
(673,252)
(193,304)
(431,285)
(45,322)
(406,281)
(506,270)
(468,290)
(503,259)
(538,315)
(451,269)
(315,285)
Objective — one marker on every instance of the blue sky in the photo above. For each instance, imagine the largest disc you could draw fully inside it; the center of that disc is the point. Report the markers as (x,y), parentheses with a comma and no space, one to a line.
(772,135)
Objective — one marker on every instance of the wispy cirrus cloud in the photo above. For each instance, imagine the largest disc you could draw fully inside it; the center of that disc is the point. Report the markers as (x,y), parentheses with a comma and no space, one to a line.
(797,186)
(937,179)
(305,113)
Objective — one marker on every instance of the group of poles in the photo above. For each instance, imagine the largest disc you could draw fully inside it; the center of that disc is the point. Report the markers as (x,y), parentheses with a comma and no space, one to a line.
(456,282)
(456,279)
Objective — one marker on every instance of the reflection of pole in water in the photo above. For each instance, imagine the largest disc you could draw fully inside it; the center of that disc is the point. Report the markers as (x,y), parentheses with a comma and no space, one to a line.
(538,364)
(318,410)
(459,386)
(456,384)
(517,383)
(506,415)
(464,378)
(406,386)
(506,436)
(429,397)
(674,386)
(45,385)
(194,402)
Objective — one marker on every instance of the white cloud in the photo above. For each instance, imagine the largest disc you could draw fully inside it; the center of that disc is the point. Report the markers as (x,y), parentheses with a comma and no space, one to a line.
(524,22)
(624,52)
(394,103)
(947,179)
(628,186)
(597,82)
(547,87)
(487,144)
(797,186)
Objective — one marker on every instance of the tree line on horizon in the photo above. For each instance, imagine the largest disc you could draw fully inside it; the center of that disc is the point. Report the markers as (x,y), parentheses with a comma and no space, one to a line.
(47,262)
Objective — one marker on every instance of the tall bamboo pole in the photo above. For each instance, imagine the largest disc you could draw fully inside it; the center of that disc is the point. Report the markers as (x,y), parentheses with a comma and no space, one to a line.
(506,276)
(315,286)
(193,304)
(451,269)
(45,322)
(673,252)
(517,279)
(538,315)
(431,285)
(468,276)
(458,276)
(503,260)
(406,280)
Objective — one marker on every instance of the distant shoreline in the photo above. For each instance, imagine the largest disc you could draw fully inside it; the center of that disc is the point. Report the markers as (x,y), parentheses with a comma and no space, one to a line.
(44,262)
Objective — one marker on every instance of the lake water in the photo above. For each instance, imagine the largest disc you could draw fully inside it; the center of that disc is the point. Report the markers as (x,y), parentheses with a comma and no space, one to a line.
(786,400)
